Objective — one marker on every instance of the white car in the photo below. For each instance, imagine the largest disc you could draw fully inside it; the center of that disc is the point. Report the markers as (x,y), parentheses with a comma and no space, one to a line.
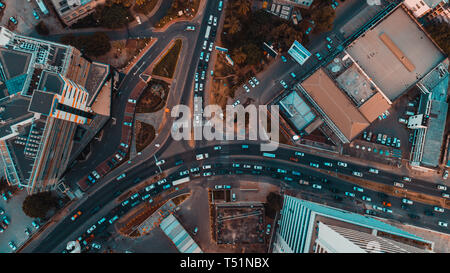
(438,209)
(398,184)
(372,170)
(366,198)
(215,21)
(315,165)
(407,179)
(358,189)
(445,175)
(442,224)
(159,163)
(131,101)
(236,103)
(246,88)
(202,156)
(407,201)
(342,164)
(317,186)
(206,167)
(255,80)
(442,187)
(91,229)
(359,174)
(210,20)
(211,46)
(251,83)
(205,44)
(445,195)
(217,148)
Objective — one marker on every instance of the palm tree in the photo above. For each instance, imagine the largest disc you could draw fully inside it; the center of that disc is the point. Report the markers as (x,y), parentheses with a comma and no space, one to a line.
(239,56)
(232,24)
(244,6)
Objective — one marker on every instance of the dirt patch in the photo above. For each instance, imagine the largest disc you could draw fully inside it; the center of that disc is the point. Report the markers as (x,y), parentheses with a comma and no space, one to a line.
(166,66)
(153,97)
(123,51)
(145,133)
(188,9)
(180,199)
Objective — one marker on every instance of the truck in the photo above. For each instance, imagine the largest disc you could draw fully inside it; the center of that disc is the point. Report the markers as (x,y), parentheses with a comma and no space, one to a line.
(208,30)
(303,182)
(181,181)
(42,7)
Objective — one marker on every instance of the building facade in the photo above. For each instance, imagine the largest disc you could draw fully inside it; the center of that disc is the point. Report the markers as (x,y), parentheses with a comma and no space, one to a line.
(46,91)
(70,11)
(430,9)
(307,227)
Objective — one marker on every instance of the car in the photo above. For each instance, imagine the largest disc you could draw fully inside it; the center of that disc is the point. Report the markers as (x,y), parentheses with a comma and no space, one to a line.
(283,59)
(359,174)
(366,198)
(445,175)
(319,57)
(358,189)
(12,245)
(387,210)
(299,154)
(207,174)
(120,176)
(257,167)
(255,80)
(438,209)
(190,28)
(205,44)
(445,195)
(372,170)
(76,215)
(402,120)
(202,54)
(118,157)
(442,224)
(91,229)
(293,75)
(315,165)
(2,211)
(215,21)
(2,5)
(236,103)
(211,46)
(160,162)
(281,171)
(338,198)
(407,201)
(442,187)
(398,184)
(4,197)
(252,84)
(219,7)
(407,179)
(148,188)
(35,14)
(201,156)
(210,20)
(370,212)
(308,30)
(206,167)
(329,40)
(284,84)
(342,164)
(268,229)
(128,124)
(387,204)
(207,57)
(13,20)
(329,48)
(27,232)
(317,186)
(377,207)
(96,246)
(113,219)
(203,74)
(5,220)
(303,182)
(35,224)
(201,87)
(246,88)
(351,194)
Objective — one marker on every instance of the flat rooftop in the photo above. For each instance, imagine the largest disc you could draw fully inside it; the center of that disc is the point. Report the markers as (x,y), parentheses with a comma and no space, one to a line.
(296,110)
(384,61)
(13,63)
(335,104)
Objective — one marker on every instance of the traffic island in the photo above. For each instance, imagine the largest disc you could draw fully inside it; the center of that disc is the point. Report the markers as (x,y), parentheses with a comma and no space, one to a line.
(167,65)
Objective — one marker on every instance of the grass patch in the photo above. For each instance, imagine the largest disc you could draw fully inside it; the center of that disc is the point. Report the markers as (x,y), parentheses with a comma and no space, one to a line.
(146,7)
(153,97)
(166,67)
(145,133)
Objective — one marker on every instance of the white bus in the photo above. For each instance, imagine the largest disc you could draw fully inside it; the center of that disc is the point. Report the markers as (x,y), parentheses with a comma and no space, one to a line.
(208,30)
(181,181)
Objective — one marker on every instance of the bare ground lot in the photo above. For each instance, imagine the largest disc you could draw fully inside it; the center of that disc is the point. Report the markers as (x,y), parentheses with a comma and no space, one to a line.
(240,224)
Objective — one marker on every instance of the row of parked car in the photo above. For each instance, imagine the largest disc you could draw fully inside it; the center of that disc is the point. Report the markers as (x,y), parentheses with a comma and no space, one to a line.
(382,139)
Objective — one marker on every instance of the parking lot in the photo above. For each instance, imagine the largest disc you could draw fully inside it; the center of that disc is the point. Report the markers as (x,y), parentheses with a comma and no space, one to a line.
(15,231)
(391,128)
(22,11)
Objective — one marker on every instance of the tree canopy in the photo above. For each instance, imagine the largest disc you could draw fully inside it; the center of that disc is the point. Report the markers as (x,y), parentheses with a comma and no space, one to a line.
(94,45)
(440,32)
(39,204)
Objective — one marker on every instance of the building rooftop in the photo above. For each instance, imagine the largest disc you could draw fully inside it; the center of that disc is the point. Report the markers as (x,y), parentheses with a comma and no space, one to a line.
(387,62)
(296,110)
(41,102)
(336,105)
(13,63)
(51,82)
(179,236)
(97,76)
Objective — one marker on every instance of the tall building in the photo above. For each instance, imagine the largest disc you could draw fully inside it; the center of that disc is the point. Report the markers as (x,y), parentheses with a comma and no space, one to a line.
(46,92)
(70,11)
(307,227)
(430,9)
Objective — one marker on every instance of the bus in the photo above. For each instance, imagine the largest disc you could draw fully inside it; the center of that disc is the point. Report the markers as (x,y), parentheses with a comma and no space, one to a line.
(208,30)
(269,155)
(42,6)
(181,181)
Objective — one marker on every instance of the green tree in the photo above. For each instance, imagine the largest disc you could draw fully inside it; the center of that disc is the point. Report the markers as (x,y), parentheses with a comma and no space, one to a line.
(114,16)
(323,18)
(42,29)
(244,6)
(239,56)
(232,25)
(39,204)
(440,32)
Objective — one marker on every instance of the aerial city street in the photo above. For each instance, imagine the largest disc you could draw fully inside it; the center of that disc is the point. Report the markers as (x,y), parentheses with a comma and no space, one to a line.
(224,126)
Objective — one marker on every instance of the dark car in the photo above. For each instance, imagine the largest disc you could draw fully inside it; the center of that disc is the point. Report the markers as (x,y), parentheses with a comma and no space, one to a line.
(429,213)
(413,216)
(370,212)
(337,198)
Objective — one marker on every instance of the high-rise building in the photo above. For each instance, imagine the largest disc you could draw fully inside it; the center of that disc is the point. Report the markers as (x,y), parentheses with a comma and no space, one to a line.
(70,11)
(307,227)
(46,91)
